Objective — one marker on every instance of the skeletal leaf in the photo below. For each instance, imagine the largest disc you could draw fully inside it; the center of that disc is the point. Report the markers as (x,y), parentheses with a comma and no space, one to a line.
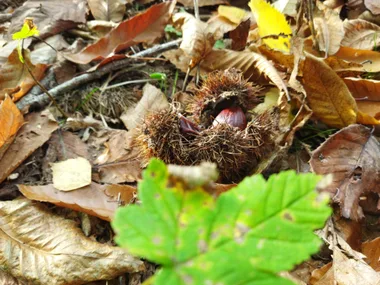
(42,248)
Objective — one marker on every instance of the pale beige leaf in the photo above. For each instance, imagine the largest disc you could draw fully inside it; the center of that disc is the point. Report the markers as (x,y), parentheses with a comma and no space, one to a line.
(330,31)
(43,248)
(53,17)
(198,37)
(107,10)
(121,161)
(152,100)
(287,7)
(361,34)
(327,94)
(71,174)
(7,279)
(349,271)
(373,6)
(201,3)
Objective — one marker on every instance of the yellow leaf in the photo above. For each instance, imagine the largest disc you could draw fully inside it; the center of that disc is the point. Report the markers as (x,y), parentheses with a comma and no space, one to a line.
(327,94)
(233,14)
(365,119)
(273,27)
(28,30)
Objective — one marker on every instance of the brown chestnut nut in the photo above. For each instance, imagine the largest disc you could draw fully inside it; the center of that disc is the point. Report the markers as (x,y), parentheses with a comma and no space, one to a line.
(233,116)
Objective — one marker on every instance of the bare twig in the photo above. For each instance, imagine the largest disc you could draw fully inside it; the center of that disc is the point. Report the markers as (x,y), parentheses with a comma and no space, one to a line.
(5,17)
(75,82)
(40,85)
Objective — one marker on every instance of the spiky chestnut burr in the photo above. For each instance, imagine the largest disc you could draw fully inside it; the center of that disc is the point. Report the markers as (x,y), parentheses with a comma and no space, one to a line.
(236,152)
(160,136)
(221,90)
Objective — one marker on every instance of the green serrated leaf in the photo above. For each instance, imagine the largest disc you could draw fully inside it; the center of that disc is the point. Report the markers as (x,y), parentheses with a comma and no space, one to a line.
(247,236)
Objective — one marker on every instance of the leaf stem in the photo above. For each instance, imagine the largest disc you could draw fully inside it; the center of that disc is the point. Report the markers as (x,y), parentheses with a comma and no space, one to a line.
(40,85)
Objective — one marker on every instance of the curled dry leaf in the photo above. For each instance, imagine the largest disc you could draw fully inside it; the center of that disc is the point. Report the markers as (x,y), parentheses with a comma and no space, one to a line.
(15,79)
(368,58)
(142,28)
(330,31)
(352,156)
(368,93)
(361,34)
(198,37)
(327,95)
(11,120)
(348,271)
(120,162)
(107,10)
(50,16)
(35,132)
(152,100)
(43,248)
(96,199)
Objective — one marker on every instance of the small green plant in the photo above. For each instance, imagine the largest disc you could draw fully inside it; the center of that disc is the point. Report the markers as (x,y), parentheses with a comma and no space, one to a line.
(161,78)
(219,44)
(171,30)
(245,236)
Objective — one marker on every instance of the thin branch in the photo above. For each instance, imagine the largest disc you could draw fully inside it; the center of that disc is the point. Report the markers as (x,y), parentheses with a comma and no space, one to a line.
(77,81)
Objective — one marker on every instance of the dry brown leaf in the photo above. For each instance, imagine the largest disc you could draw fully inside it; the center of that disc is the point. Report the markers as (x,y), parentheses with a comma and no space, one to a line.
(15,79)
(35,132)
(50,16)
(96,200)
(142,28)
(152,100)
(107,10)
(198,37)
(369,59)
(11,120)
(223,24)
(322,276)
(352,156)
(239,35)
(360,34)
(371,249)
(327,95)
(121,161)
(373,6)
(368,93)
(345,271)
(350,271)
(330,31)
(43,248)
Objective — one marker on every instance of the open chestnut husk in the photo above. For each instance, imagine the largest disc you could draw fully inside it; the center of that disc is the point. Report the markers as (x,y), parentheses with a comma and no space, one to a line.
(218,128)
